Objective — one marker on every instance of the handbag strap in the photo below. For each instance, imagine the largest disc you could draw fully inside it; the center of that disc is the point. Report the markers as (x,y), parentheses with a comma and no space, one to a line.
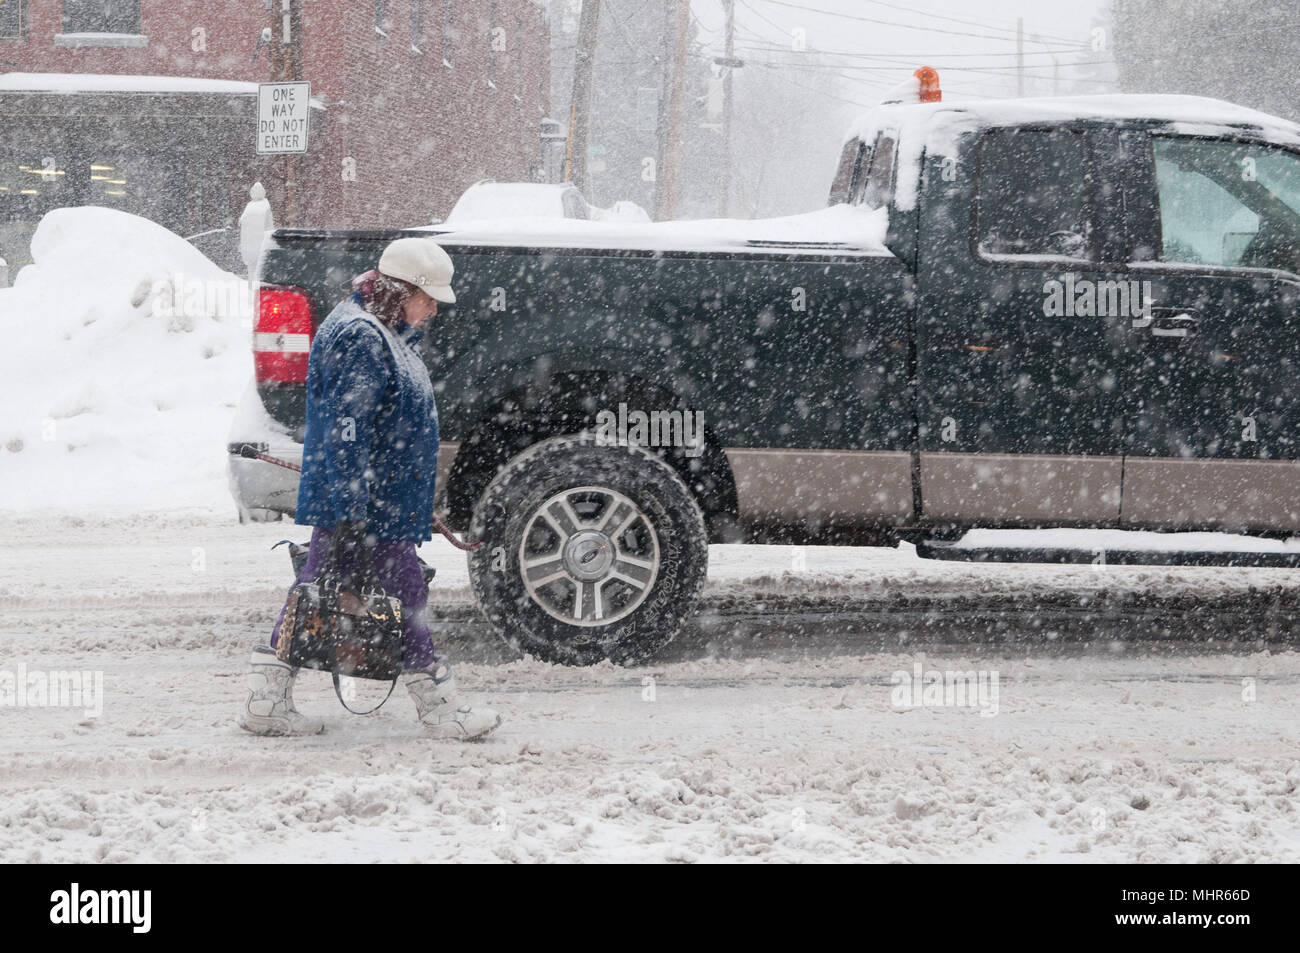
(368,575)
(339,692)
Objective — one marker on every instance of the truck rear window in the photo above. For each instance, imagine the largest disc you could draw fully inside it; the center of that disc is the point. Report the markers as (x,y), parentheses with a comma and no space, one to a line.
(845,173)
(878,184)
(1032,195)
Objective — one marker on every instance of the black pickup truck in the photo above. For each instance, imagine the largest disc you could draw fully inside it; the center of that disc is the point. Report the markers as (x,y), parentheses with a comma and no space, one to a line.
(1077,312)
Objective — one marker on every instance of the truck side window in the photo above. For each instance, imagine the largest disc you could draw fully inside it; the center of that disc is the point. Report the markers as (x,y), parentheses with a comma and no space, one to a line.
(878,184)
(1225,203)
(846,172)
(1032,196)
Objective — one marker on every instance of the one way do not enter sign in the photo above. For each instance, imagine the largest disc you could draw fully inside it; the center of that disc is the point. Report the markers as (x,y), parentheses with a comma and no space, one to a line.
(283,113)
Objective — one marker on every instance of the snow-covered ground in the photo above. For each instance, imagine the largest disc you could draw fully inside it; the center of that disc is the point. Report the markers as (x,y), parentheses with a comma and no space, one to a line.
(793,748)
(775,728)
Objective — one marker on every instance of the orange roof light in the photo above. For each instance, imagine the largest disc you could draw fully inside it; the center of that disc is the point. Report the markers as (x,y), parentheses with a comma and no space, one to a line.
(930,91)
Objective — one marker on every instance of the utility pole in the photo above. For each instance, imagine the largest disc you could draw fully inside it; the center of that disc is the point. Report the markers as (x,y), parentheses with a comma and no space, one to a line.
(285,22)
(724,199)
(1020,56)
(584,59)
(677,22)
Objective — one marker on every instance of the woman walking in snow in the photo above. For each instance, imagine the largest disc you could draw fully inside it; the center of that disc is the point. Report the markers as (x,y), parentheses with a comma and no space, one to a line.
(368,469)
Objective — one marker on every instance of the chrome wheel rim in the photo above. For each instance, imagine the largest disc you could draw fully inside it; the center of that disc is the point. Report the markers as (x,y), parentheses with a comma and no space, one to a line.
(589,556)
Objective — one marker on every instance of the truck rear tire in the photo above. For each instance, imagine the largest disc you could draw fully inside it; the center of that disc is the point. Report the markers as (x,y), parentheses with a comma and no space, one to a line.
(591,552)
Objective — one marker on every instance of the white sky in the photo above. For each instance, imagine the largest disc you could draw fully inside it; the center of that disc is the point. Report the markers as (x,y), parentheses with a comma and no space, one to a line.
(909,35)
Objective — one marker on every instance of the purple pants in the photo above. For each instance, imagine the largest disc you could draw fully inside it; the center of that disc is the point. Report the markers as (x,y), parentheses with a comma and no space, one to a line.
(398,569)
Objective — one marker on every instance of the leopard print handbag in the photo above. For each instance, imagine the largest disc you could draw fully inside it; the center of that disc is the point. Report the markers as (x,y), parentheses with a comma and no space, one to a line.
(330,627)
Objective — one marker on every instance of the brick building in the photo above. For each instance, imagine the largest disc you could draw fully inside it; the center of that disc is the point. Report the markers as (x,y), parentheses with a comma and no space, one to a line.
(149,105)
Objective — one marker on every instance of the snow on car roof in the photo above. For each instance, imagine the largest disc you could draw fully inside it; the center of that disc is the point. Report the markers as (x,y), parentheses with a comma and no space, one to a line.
(520,188)
(498,200)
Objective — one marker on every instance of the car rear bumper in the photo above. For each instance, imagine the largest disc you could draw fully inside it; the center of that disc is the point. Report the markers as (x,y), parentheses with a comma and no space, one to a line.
(258,485)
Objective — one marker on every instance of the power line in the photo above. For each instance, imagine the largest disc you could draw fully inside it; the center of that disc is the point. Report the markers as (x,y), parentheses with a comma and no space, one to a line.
(884,84)
(914,58)
(701,27)
(782,49)
(893,68)
(923,57)
(919,57)
(889,66)
(783,67)
(939,16)
(622,32)
(894,74)
(904,26)
(765,44)
(780,29)
(814,89)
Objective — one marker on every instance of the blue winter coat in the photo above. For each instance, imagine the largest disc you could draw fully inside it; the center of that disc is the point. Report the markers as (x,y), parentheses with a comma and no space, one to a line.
(371,447)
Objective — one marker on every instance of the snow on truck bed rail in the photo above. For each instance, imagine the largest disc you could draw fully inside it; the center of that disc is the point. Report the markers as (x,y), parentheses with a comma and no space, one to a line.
(840,228)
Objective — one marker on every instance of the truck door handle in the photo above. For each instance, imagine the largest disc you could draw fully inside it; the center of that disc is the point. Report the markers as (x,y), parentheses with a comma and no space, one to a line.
(1174,323)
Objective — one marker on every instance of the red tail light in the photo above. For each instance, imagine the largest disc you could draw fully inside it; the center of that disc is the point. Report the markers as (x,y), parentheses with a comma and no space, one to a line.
(282,337)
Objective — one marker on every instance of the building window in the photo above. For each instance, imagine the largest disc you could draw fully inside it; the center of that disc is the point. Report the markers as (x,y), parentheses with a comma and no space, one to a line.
(101,16)
(381,18)
(417,26)
(11,19)
(446,33)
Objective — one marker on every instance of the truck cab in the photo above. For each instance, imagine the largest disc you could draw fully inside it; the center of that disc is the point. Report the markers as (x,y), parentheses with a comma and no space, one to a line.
(1106,308)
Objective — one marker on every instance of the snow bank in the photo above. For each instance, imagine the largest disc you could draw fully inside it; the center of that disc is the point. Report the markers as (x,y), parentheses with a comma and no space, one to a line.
(126,351)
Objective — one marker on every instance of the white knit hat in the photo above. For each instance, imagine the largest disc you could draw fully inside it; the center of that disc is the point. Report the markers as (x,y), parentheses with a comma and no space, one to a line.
(423,263)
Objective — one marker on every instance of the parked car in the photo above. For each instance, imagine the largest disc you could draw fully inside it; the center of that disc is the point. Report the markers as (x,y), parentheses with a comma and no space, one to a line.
(623,210)
(488,200)
(509,202)
(1073,312)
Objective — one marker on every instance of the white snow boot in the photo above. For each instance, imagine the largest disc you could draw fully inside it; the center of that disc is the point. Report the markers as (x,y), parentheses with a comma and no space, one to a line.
(269,709)
(440,708)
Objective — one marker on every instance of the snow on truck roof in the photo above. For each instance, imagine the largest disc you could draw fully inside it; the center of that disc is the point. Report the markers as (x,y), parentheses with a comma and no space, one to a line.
(937,127)
(1180,111)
